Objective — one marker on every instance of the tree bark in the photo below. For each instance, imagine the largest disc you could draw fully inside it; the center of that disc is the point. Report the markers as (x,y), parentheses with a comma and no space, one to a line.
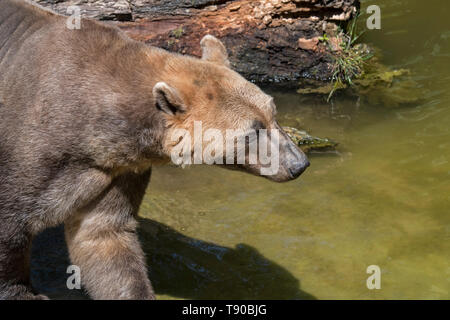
(268,40)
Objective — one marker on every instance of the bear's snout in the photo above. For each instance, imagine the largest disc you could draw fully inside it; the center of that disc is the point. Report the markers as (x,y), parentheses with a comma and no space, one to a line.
(293,161)
(296,160)
(298,168)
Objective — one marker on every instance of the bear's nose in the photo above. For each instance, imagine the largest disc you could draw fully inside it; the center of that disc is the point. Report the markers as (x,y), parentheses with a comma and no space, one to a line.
(298,168)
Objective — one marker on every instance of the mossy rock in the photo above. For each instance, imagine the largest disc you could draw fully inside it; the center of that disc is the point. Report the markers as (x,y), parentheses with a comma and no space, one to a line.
(317,87)
(308,143)
(378,84)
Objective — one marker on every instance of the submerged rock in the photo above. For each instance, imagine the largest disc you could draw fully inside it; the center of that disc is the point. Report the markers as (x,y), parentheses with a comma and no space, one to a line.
(378,84)
(309,143)
(390,87)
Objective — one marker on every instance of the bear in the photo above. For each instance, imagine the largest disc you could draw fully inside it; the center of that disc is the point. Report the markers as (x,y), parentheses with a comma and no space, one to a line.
(85,114)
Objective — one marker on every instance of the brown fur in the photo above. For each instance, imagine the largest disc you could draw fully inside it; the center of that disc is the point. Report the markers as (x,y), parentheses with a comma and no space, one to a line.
(84,114)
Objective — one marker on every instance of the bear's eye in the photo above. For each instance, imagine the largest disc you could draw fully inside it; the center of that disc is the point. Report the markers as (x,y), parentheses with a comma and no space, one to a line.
(257,125)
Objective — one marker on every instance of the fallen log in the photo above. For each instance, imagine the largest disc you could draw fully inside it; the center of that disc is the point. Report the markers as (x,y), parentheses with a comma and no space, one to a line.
(268,40)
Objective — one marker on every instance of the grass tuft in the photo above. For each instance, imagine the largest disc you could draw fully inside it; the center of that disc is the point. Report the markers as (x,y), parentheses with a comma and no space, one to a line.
(348,59)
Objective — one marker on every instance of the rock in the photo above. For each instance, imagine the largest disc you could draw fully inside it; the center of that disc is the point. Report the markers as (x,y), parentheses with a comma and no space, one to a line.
(262,36)
(309,143)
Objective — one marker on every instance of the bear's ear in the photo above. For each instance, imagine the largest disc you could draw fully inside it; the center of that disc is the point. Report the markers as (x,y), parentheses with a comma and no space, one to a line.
(213,50)
(168,99)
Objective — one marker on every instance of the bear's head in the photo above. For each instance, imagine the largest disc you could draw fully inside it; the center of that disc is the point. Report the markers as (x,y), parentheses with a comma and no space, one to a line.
(214,116)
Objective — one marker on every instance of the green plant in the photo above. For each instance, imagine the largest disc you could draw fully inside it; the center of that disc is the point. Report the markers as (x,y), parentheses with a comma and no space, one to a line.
(349,59)
(348,64)
(178,32)
(324,38)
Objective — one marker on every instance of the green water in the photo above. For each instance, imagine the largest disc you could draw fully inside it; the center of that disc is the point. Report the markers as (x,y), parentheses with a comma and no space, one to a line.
(383,199)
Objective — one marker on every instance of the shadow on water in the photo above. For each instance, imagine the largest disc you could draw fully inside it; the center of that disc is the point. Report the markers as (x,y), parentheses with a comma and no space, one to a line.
(180,267)
(49,262)
(190,268)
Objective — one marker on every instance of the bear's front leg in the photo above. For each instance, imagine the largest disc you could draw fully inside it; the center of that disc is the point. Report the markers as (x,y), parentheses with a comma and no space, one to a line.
(103,243)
